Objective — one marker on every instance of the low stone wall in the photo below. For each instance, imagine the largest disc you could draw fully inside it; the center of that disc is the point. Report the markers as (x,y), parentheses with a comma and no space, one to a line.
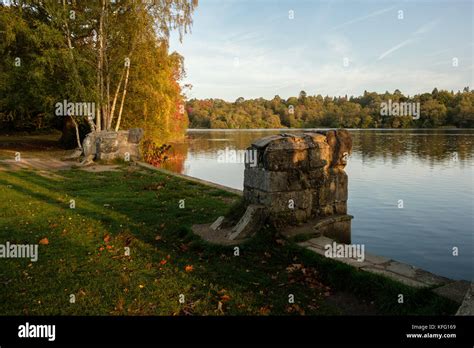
(110,145)
(299,177)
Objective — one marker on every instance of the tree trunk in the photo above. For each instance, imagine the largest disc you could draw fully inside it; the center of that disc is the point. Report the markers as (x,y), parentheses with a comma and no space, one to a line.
(112,111)
(100,72)
(78,137)
(117,126)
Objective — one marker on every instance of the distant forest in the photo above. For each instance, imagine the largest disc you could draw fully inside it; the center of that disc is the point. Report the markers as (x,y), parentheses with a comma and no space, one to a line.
(437,109)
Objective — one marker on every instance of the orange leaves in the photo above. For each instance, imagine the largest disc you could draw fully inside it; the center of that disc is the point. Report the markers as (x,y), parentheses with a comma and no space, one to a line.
(188,268)
(106,238)
(225,298)
(44,241)
(106,245)
(294,308)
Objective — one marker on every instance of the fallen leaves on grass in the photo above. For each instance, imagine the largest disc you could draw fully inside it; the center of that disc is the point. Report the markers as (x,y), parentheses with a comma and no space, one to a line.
(106,238)
(225,298)
(280,241)
(294,267)
(44,241)
(189,268)
(294,308)
(306,276)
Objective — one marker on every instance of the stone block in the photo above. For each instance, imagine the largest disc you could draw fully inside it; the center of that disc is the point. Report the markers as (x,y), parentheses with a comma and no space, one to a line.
(340,142)
(271,181)
(217,224)
(283,160)
(249,223)
(107,156)
(135,135)
(89,145)
(455,291)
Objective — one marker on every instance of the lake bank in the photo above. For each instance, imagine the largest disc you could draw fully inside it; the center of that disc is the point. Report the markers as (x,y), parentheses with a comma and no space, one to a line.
(139,209)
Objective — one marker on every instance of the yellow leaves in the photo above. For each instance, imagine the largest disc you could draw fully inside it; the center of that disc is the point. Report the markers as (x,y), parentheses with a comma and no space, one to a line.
(44,241)
(188,268)
(294,267)
(141,286)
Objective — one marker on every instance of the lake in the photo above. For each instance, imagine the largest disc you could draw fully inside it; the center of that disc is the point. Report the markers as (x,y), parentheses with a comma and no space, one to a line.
(432,171)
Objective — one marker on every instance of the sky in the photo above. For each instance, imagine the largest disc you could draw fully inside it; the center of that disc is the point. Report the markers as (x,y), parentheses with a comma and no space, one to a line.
(263,48)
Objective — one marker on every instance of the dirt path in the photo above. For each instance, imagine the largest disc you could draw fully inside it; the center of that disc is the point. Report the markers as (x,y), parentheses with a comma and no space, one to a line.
(41,153)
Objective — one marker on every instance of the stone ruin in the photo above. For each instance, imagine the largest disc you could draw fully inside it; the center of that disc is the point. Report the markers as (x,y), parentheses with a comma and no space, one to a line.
(299,180)
(110,145)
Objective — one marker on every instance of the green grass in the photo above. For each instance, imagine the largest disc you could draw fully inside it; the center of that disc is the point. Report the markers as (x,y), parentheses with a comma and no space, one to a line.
(139,209)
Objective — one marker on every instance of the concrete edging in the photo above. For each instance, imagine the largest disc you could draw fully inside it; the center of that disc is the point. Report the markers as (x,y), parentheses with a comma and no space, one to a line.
(190,178)
(404,273)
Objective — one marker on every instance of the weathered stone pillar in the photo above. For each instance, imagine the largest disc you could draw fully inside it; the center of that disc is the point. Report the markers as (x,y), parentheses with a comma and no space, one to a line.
(298,180)
(299,177)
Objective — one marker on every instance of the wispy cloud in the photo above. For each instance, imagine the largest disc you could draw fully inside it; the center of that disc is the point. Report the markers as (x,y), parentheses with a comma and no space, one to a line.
(395,48)
(425,28)
(363,18)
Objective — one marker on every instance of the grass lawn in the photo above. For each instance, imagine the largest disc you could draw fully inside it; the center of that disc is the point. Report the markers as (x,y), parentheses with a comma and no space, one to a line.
(84,255)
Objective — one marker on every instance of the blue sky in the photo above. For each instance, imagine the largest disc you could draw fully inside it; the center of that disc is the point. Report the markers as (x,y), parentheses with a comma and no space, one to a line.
(252,48)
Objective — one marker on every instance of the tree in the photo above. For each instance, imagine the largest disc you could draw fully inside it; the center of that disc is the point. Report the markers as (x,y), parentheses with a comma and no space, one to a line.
(99,49)
(464,116)
(433,113)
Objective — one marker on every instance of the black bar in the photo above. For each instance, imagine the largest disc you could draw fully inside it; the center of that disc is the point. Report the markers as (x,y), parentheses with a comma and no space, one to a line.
(241,330)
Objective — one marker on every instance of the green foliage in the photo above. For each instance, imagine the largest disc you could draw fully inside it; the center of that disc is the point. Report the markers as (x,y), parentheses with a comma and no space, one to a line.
(438,108)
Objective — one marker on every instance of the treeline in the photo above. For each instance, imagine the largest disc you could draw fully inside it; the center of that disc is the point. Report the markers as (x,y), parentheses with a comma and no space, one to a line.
(110,54)
(436,109)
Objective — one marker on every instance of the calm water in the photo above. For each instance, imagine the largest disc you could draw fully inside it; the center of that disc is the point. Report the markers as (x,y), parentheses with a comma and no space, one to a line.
(431,171)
